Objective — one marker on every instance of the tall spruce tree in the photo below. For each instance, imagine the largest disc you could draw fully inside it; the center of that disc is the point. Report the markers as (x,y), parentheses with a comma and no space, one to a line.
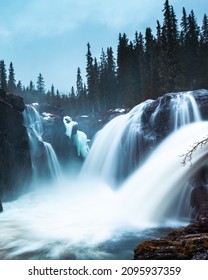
(111,80)
(139,66)
(203,54)
(170,43)
(122,69)
(40,84)
(149,62)
(192,51)
(11,80)
(81,93)
(3,76)
(103,81)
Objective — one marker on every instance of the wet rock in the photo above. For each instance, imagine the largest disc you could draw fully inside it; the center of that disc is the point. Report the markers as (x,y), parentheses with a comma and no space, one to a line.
(187,243)
(1,207)
(15,161)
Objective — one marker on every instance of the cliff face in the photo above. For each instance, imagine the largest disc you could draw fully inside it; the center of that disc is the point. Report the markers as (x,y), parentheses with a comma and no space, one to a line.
(15,161)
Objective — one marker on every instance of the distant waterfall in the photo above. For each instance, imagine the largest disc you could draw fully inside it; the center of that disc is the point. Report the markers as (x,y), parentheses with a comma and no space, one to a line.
(39,148)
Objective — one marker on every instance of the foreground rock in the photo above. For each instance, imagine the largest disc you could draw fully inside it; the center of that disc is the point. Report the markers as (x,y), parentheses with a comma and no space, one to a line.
(184,244)
(189,243)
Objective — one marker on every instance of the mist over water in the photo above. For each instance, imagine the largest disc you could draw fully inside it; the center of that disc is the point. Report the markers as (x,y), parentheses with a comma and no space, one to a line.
(88,218)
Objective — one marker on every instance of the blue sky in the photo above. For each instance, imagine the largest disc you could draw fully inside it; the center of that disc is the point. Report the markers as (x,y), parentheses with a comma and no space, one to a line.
(50,36)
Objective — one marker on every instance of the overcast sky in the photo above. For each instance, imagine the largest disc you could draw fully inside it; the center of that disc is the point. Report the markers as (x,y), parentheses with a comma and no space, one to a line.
(50,36)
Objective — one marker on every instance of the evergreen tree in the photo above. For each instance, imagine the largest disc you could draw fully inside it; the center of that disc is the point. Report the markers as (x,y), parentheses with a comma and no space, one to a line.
(31,87)
(95,87)
(81,93)
(122,69)
(184,26)
(112,100)
(139,66)
(19,88)
(52,91)
(103,81)
(203,54)
(11,81)
(192,51)
(170,41)
(149,58)
(79,83)
(3,76)
(90,78)
(40,84)
(160,61)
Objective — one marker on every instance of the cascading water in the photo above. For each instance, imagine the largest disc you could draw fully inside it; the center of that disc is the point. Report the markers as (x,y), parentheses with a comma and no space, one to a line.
(34,125)
(184,109)
(88,219)
(121,139)
(119,148)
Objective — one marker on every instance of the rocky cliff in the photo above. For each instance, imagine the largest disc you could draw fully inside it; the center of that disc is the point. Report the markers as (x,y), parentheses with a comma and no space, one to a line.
(15,161)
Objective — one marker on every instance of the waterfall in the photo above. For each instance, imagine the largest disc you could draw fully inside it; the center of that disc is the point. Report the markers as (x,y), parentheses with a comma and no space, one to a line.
(121,139)
(39,148)
(88,218)
(84,219)
(184,109)
(156,188)
(124,143)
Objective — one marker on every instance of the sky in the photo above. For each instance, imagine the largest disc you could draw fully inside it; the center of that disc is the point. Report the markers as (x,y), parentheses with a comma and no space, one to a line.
(50,36)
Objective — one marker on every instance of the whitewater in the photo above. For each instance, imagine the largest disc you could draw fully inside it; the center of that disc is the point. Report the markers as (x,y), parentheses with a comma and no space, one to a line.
(86,218)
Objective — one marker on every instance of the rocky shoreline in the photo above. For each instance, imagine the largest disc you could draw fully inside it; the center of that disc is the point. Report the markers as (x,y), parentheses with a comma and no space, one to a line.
(188,243)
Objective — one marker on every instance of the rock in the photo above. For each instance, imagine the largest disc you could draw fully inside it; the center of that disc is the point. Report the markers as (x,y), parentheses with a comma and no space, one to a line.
(1,207)
(16,102)
(15,161)
(187,243)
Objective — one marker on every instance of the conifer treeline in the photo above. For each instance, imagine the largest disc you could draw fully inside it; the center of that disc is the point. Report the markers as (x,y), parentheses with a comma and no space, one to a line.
(174,59)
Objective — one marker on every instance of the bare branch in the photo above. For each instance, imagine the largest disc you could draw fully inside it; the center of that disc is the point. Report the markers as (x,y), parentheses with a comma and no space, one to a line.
(187,157)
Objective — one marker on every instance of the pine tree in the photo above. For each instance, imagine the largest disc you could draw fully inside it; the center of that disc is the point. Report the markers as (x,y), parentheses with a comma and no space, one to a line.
(203,54)
(111,80)
(184,26)
(122,69)
(52,90)
(192,51)
(11,81)
(40,84)
(96,88)
(81,93)
(90,79)
(160,61)
(3,76)
(103,81)
(19,88)
(31,87)
(149,64)
(170,42)
(139,66)
(79,82)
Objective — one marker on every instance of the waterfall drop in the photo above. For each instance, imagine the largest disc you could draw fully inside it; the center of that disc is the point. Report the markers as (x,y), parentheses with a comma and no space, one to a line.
(39,148)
